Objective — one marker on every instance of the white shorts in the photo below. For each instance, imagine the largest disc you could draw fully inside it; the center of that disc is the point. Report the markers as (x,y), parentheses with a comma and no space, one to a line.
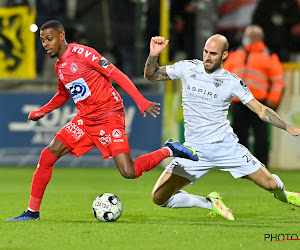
(227,155)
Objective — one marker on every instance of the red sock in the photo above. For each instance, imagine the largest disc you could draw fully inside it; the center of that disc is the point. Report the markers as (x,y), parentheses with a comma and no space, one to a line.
(147,162)
(40,179)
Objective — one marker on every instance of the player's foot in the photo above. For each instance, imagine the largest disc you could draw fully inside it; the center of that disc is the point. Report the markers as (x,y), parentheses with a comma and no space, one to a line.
(26,215)
(293,198)
(218,207)
(181,151)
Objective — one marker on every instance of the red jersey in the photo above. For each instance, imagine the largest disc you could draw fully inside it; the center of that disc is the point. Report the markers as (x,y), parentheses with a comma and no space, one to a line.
(85,75)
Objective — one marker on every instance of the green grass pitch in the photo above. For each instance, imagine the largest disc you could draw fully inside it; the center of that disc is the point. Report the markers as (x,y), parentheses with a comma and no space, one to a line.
(67,221)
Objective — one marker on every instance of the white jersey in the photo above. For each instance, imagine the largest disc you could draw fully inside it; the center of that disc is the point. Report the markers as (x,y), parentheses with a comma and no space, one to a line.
(206,99)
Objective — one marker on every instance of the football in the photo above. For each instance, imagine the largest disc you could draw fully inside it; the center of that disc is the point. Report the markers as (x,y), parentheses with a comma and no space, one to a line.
(107,207)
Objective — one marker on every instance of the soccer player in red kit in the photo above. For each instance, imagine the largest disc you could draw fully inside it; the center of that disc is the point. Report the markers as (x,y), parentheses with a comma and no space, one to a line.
(85,75)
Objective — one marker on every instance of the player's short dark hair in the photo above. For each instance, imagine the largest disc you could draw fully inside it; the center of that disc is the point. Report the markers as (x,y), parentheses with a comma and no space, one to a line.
(54,24)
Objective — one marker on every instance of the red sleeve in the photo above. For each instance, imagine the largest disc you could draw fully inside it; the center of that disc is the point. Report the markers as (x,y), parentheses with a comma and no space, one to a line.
(62,95)
(99,63)
(121,79)
(107,69)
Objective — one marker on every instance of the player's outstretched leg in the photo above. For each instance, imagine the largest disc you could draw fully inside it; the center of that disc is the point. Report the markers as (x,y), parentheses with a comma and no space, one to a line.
(41,177)
(293,198)
(285,196)
(183,199)
(218,207)
(146,162)
(26,215)
(180,150)
(213,202)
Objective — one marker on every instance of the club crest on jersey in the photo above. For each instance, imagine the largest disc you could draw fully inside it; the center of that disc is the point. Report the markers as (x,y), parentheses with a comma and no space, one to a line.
(104,62)
(217,82)
(74,67)
(116,133)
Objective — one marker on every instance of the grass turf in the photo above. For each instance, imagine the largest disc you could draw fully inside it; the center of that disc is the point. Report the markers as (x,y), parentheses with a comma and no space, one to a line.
(67,221)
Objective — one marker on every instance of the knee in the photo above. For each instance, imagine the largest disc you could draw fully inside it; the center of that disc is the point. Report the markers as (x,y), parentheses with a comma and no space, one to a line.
(158,199)
(128,173)
(57,148)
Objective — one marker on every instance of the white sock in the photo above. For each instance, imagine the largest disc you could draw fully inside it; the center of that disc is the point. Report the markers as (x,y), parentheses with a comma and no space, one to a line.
(29,209)
(279,192)
(171,152)
(184,200)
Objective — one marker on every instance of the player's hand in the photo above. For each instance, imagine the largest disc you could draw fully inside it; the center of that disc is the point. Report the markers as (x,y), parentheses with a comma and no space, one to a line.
(157,45)
(293,131)
(153,110)
(35,115)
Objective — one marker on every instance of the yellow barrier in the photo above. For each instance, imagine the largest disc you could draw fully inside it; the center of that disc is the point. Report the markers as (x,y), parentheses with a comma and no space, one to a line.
(285,149)
(292,78)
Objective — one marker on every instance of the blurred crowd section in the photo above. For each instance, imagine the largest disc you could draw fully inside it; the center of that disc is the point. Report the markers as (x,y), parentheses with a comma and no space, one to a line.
(121,29)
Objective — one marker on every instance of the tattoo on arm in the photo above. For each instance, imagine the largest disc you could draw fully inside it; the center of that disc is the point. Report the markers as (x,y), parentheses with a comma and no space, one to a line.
(271,117)
(153,72)
(151,66)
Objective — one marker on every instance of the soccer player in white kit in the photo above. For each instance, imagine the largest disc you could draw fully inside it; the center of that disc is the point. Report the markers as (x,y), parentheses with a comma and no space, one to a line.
(207,91)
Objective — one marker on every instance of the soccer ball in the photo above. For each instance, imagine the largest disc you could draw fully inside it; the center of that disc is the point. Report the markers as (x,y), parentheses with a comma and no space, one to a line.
(107,207)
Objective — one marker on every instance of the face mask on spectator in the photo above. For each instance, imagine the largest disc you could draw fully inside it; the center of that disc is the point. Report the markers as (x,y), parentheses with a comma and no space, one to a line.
(246,40)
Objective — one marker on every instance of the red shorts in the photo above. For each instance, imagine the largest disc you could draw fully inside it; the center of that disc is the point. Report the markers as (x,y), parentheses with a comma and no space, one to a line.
(108,135)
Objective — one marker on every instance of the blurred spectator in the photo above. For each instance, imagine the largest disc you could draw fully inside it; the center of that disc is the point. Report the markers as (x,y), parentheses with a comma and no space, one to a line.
(47,10)
(234,17)
(277,18)
(152,20)
(124,32)
(78,34)
(12,3)
(261,70)
(183,28)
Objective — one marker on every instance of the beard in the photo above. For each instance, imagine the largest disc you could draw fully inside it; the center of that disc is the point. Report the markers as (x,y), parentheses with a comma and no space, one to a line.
(215,67)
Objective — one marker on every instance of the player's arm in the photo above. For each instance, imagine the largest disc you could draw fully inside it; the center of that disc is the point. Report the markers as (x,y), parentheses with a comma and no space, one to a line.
(144,105)
(107,69)
(270,116)
(59,99)
(152,71)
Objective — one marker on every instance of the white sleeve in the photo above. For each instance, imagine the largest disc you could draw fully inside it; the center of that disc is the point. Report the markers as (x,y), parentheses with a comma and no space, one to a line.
(242,92)
(175,71)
